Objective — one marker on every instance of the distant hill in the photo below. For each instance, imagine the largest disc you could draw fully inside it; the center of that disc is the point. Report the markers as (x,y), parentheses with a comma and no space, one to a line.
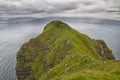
(62,53)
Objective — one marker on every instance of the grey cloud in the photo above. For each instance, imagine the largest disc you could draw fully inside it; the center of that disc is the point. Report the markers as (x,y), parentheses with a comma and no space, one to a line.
(66,7)
(61,7)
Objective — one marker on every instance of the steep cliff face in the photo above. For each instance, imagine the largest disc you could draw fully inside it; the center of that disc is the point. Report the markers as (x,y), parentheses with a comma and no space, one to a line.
(62,53)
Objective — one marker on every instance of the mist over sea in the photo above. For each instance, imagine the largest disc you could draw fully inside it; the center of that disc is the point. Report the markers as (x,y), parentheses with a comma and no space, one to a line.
(15,31)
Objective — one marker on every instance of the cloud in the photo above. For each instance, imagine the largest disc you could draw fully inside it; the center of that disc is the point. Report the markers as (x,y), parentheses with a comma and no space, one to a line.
(59,7)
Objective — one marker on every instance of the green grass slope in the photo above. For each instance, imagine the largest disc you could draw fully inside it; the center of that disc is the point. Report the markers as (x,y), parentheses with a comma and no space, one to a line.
(62,53)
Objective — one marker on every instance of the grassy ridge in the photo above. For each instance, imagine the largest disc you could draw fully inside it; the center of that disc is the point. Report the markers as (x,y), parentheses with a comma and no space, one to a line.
(62,53)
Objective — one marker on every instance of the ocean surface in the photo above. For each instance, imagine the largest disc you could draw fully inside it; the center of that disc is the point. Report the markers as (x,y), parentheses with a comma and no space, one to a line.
(16,31)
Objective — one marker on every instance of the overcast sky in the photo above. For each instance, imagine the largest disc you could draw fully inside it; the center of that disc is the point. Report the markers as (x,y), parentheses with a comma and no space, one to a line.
(68,8)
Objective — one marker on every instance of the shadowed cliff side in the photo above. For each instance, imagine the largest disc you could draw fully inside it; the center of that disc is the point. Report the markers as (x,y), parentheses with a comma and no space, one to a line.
(62,53)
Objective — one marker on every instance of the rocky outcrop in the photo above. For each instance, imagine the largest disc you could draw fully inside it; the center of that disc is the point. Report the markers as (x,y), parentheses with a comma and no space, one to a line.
(103,50)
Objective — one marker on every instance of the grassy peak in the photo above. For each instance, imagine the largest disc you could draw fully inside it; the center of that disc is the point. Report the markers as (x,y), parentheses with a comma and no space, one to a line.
(56,24)
(62,53)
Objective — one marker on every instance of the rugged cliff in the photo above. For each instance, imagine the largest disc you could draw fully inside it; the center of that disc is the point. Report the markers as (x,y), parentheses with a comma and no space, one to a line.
(62,53)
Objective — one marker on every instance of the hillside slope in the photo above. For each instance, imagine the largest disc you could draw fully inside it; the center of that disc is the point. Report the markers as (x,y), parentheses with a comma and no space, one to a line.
(62,53)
